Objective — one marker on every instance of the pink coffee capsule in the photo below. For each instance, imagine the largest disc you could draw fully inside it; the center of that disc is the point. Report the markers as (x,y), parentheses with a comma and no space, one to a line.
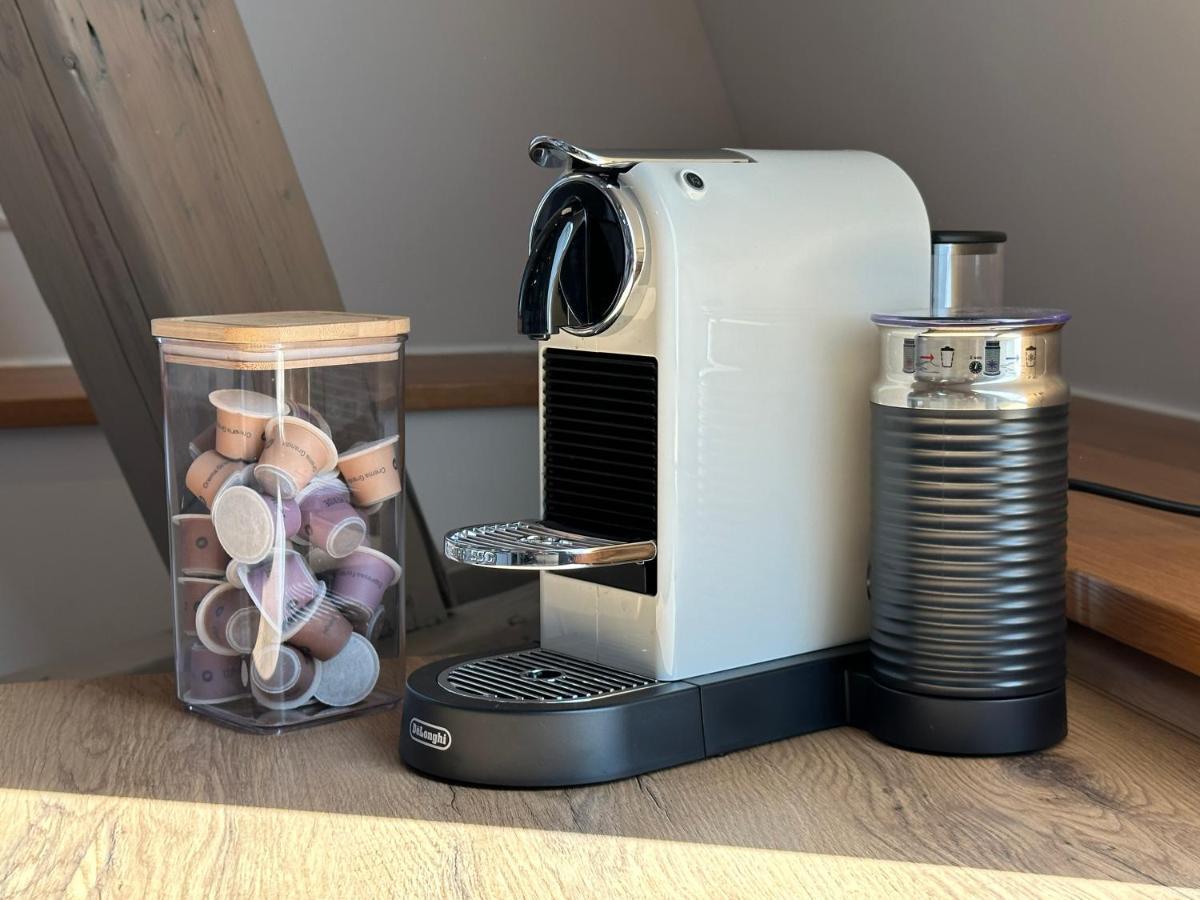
(361,580)
(214,677)
(327,520)
(199,551)
(292,681)
(189,594)
(278,589)
(213,615)
(250,524)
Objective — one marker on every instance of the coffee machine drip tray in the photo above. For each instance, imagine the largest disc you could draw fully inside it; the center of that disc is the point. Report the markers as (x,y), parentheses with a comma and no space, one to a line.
(537,545)
(532,717)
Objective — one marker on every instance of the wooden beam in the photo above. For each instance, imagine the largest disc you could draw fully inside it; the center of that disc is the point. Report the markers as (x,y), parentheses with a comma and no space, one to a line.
(144,174)
(42,396)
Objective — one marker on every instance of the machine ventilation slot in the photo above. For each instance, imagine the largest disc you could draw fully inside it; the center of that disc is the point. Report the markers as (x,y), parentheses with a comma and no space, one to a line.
(600,443)
(537,676)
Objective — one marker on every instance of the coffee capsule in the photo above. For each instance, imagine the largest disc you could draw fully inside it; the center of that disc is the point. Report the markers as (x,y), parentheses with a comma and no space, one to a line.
(321,562)
(214,677)
(361,580)
(280,585)
(213,615)
(232,575)
(327,520)
(189,595)
(199,551)
(209,473)
(349,677)
(370,627)
(295,453)
(372,471)
(308,414)
(318,628)
(291,682)
(242,418)
(205,440)
(251,524)
(241,631)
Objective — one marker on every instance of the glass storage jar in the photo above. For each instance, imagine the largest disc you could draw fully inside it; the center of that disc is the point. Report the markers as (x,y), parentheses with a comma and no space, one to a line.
(284,441)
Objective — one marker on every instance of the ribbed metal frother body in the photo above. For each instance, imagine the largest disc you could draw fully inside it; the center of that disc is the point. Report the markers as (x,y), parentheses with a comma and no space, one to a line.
(969,531)
(969,510)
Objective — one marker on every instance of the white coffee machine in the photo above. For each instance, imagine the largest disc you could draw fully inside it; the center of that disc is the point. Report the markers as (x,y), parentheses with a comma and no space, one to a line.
(706,354)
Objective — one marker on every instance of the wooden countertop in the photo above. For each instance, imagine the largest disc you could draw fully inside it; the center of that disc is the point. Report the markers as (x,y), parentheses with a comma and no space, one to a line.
(108,786)
(1133,572)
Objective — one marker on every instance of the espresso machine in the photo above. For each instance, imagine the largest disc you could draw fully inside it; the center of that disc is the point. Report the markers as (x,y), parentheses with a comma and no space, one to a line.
(706,354)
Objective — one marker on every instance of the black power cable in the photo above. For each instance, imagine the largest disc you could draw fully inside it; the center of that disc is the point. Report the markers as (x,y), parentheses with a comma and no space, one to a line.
(1114,493)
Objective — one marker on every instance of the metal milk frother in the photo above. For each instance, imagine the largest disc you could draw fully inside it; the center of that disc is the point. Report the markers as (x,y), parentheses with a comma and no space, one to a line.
(969,515)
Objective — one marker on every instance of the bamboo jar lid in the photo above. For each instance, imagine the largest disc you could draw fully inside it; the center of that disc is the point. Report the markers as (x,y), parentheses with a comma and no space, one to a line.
(268,329)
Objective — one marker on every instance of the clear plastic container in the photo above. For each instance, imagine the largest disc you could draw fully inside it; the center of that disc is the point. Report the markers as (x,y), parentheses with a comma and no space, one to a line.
(284,439)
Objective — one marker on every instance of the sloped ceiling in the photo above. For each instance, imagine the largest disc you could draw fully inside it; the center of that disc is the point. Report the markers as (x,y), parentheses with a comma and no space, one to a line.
(1073,125)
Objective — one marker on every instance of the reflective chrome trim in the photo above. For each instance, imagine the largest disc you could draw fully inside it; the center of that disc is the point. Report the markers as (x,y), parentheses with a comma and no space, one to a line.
(534,545)
(554,153)
(538,676)
(633,234)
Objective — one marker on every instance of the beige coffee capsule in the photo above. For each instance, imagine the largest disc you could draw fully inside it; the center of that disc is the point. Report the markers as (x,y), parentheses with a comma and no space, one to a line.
(296,452)
(209,473)
(309,414)
(242,418)
(372,471)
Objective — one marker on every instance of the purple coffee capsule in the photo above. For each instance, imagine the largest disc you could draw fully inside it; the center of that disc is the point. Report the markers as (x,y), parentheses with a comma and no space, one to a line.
(361,580)
(281,584)
(214,677)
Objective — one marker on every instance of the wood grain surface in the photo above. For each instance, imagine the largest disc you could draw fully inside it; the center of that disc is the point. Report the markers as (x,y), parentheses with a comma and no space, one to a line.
(270,328)
(144,175)
(1133,572)
(108,786)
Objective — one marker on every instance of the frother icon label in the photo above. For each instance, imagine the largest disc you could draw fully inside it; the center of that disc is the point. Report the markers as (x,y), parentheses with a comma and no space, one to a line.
(991,358)
(947,357)
(910,355)
(1030,356)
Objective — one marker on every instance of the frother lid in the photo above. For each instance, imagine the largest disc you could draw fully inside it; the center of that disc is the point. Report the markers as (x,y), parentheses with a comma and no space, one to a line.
(968,237)
(983,317)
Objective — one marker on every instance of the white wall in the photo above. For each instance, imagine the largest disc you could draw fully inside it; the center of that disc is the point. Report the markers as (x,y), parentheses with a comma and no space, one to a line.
(408,123)
(1071,124)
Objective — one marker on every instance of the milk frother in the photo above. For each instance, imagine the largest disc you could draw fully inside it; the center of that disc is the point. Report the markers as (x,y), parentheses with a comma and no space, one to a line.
(969,516)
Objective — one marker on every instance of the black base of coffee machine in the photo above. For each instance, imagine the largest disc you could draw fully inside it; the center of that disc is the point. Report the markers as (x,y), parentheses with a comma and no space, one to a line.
(621,725)
(629,727)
